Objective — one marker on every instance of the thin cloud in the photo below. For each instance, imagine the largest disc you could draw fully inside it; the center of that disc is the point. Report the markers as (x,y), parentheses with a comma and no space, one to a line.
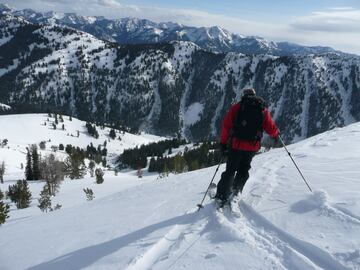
(342,8)
(346,20)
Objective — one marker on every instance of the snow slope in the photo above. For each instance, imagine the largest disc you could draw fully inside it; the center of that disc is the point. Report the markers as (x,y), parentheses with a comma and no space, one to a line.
(21,130)
(153,224)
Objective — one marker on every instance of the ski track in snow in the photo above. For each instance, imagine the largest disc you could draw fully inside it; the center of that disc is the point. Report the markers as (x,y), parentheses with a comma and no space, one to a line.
(172,240)
(242,224)
(303,255)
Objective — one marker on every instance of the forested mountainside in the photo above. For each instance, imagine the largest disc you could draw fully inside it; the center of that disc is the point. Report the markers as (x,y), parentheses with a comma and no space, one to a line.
(170,88)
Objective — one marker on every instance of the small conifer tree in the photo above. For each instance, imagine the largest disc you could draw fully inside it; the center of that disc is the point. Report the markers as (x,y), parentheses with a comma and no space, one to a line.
(35,162)
(20,194)
(74,166)
(89,194)
(2,171)
(57,207)
(42,145)
(29,169)
(91,168)
(61,147)
(45,199)
(112,134)
(99,176)
(4,212)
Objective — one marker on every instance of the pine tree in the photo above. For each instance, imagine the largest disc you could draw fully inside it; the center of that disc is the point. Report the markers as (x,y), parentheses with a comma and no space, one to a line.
(89,194)
(45,200)
(42,145)
(20,194)
(179,163)
(29,169)
(152,165)
(91,168)
(104,162)
(99,176)
(2,171)
(112,134)
(61,147)
(75,166)
(35,162)
(4,211)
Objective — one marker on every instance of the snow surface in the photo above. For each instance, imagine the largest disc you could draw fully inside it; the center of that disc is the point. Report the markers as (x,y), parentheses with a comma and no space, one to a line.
(154,224)
(25,129)
(193,113)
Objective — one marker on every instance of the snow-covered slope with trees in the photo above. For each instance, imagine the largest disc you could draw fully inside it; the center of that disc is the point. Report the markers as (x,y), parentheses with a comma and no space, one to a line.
(140,31)
(153,224)
(22,130)
(169,89)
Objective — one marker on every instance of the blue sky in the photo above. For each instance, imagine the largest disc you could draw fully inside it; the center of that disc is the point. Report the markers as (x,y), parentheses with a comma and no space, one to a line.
(332,23)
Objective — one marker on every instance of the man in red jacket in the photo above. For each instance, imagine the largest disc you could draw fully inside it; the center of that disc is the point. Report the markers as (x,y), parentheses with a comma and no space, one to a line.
(242,128)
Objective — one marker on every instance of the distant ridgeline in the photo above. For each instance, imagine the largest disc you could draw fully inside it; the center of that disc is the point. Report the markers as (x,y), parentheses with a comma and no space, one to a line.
(175,89)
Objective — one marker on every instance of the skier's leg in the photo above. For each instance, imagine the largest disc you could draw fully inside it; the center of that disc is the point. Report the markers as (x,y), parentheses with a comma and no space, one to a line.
(242,174)
(227,178)
(239,181)
(224,186)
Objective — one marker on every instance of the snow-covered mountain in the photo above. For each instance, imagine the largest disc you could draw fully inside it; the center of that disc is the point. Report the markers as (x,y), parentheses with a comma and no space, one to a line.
(140,31)
(171,88)
(154,224)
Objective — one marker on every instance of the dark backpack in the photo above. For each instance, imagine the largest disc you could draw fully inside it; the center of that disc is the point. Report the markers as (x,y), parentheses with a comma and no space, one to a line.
(249,119)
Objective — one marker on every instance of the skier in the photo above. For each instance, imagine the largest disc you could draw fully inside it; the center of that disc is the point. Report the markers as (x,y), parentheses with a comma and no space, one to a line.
(242,128)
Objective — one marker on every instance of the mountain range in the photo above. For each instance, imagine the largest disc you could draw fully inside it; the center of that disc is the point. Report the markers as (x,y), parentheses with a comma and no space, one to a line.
(176,88)
(140,31)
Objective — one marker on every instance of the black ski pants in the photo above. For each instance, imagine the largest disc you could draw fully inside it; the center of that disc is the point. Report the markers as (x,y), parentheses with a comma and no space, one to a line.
(238,162)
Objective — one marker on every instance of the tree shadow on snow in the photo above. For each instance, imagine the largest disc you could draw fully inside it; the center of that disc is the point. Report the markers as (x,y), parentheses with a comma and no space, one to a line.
(84,257)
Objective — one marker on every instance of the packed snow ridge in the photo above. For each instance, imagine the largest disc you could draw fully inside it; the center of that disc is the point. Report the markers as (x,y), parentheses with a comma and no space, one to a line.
(154,224)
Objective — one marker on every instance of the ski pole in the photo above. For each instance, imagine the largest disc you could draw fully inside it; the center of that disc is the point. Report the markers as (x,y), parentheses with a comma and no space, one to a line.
(207,190)
(282,142)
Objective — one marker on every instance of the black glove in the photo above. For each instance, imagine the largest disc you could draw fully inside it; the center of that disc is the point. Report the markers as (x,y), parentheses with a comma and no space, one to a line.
(223,149)
(276,142)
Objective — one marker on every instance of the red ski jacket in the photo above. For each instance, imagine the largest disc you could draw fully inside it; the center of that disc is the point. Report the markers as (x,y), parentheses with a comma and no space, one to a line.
(268,125)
